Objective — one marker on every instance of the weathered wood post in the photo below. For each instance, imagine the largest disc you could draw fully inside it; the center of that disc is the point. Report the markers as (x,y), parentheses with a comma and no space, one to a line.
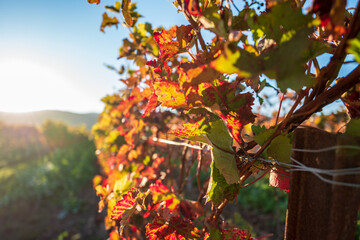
(318,210)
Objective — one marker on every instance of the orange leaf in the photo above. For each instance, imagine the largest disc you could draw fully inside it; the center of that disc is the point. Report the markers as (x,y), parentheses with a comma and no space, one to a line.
(152,104)
(169,94)
(94,1)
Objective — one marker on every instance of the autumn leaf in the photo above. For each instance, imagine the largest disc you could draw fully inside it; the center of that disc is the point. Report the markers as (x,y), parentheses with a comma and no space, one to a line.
(192,131)
(192,74)
(191,209)
(160,193)
(94,1)
(174,41)
(152,104)
(174,229)
(235,234)
(127,203)
(108,21)
(126,13)
(237,60)
(169,94)
(192,6)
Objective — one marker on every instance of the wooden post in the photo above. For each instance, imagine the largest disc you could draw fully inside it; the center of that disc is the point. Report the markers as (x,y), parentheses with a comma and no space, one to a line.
(345,200)
(318,210)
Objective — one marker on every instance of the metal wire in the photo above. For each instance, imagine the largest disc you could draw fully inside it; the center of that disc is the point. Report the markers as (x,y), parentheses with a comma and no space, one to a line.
(298,166)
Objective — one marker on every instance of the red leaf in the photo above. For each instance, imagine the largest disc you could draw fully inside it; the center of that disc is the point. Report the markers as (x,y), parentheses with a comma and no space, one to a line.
(236,234)
(158,161)
(234,108)
(160,193)
(152,104)
(192,6)
(279,178)
(127,202)
(175,229)
(158,188)
(152,63)
(191,209)
(171,42)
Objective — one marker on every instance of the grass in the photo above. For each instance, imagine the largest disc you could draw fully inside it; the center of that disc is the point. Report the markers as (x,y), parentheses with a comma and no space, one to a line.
(43,196)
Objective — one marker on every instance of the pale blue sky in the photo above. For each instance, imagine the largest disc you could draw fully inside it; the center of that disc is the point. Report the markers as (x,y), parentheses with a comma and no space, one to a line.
(52,53)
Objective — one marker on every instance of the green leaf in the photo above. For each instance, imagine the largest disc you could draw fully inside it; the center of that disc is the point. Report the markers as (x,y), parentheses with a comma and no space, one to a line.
(237,60)
(257,129)
(212,21)
(288,62)
(243,19)
(215,234)
(219,135)
(280,148)
(353,128)
(115,8)
(226,164)
(354,48)
(262,134)
(218,189)
(272,24)
(122,184)
(222,152)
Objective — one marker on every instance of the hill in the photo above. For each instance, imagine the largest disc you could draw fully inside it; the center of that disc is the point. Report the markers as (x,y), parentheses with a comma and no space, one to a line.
(37,118)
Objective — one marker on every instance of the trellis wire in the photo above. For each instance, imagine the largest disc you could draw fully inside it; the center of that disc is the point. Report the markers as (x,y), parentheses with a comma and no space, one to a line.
(298,166)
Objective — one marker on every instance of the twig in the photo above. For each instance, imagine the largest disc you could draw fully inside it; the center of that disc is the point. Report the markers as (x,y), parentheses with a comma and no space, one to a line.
(198,169)
(262,175)
(182,168)
(324,99)
(278,113)
(194,25)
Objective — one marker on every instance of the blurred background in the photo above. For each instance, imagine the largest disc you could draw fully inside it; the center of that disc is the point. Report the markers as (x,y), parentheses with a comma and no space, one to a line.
(53,74)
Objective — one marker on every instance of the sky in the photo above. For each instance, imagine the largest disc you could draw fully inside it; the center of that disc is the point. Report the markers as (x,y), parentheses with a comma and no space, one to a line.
(53,55)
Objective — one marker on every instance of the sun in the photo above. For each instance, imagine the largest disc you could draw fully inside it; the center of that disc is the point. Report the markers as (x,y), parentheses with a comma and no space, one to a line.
(27,85)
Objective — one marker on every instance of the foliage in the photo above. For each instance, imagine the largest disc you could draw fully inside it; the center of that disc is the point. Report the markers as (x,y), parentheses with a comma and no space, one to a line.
(42,185)
(63,170)
(203,91)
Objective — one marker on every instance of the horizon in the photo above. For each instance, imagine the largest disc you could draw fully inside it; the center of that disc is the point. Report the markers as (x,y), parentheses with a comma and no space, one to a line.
(47,110)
